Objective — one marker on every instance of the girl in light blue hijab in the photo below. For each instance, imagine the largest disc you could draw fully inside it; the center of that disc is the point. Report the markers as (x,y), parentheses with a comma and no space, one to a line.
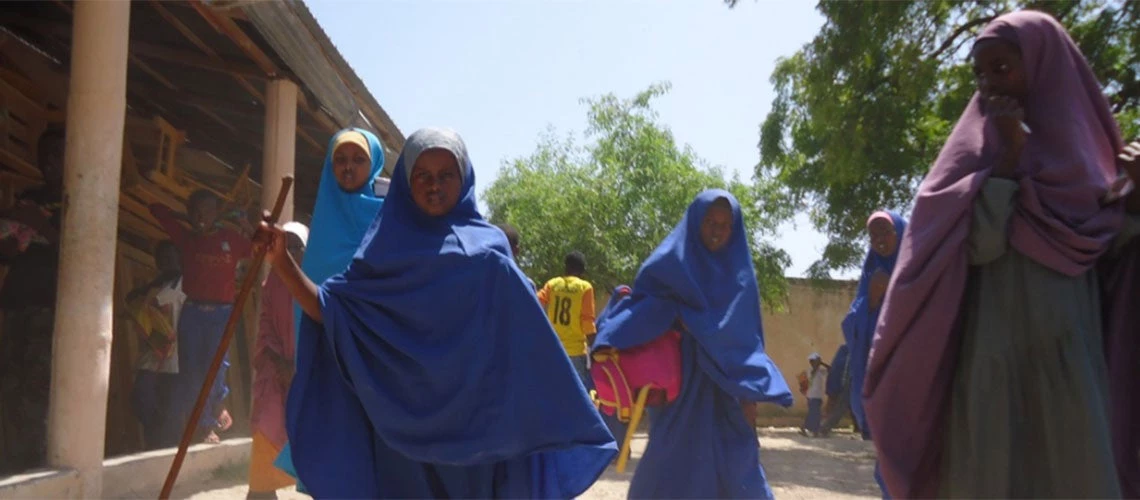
(347,203)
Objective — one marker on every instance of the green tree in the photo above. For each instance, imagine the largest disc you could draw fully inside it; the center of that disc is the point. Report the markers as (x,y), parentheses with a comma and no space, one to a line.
(616,198)
(863,109)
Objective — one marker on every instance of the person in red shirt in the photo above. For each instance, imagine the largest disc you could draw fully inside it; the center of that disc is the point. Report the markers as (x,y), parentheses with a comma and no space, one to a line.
(210,254)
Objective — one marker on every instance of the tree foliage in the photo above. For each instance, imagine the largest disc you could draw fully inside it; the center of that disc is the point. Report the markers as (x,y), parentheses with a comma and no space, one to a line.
(617,197)
(863,109)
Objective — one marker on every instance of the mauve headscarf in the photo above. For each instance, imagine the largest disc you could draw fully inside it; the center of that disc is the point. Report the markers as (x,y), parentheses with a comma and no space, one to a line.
(1058,221)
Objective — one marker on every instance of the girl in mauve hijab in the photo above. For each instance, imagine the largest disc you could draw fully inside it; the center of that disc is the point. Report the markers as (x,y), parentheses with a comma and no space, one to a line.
(987,376)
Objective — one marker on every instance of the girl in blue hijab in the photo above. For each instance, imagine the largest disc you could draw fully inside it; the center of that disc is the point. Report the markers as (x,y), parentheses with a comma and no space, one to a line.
(347,203)
(885,230)
(427,369)
(701,281)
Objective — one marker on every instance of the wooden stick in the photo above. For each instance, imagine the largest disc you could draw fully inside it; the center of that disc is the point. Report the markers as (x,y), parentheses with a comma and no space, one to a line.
(247,283)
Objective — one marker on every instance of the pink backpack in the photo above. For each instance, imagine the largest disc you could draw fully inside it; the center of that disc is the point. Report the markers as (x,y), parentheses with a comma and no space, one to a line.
(620,375)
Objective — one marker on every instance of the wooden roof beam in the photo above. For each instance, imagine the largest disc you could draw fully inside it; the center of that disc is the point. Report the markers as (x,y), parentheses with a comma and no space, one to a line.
(158,76)
(225,25)
(228,27)
(245,106)
(196,60)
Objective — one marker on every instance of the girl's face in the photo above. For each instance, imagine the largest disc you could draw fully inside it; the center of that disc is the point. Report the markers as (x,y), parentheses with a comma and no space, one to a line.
(351,167)
(999,71)
(436,182)
(716,227)
(884,241)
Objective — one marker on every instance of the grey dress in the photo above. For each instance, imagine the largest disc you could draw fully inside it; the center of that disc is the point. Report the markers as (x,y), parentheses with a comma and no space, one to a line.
(1029,405)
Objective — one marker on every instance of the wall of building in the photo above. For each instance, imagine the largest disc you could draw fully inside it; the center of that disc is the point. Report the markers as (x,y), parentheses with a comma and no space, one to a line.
(808,322)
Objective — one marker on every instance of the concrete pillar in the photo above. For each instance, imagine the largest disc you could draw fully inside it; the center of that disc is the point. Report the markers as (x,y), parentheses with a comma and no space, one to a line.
(280,143)
(81,357)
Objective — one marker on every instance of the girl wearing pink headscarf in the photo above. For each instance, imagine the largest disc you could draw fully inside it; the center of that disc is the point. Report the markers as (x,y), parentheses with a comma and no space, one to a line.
(987,376)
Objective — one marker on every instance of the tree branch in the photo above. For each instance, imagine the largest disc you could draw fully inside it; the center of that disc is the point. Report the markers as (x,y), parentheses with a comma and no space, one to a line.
(958,32)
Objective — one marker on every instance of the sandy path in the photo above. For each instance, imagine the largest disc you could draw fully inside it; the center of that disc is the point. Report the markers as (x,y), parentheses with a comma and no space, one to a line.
(797,467)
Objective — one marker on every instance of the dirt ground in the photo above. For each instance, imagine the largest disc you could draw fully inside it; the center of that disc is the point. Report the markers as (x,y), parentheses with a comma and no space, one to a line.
(798,467)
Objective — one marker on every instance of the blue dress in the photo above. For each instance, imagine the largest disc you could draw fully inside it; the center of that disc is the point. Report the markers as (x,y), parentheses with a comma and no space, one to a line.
(700,445)
(340,220)
(415,387)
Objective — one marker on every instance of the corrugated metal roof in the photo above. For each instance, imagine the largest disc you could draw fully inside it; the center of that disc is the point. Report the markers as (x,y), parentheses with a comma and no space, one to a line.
(299,40)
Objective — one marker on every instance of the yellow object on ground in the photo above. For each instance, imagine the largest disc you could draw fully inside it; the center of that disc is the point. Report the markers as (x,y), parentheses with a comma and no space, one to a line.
(263,476)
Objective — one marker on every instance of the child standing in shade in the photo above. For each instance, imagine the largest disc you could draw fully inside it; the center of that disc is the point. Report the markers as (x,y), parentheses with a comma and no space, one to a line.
(27,300)
(210,255)
(154,311)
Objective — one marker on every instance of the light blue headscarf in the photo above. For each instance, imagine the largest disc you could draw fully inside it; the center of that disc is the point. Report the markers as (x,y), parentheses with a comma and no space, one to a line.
(340,220)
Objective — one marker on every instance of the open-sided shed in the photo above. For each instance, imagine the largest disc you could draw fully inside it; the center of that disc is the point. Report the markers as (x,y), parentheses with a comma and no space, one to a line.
(158,98)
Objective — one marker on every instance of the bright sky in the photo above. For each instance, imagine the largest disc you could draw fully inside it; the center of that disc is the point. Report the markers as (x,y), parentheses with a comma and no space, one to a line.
(501,71)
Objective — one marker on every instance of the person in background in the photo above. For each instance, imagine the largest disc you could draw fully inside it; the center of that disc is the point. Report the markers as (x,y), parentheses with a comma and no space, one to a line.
(988,374)
(27,298)
(513,239)
(346,206)
(885,230)
(838,392)
(153,311)
(569,304)
(816,391)
(273,371)
(210,254)
(700,282)
(427,368)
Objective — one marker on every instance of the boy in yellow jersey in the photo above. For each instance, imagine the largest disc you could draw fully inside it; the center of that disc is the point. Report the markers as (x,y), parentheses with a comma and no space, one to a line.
(569,304)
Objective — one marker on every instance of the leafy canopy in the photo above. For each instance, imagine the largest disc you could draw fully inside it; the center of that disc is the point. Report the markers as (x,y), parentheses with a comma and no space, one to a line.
(863,109)
(618,196)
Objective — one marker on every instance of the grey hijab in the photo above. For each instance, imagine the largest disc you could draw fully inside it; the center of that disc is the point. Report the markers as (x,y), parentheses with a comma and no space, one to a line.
(435,138)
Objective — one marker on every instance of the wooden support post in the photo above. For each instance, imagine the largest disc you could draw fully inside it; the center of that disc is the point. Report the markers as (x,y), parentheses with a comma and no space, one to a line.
(280,149)
(81,358)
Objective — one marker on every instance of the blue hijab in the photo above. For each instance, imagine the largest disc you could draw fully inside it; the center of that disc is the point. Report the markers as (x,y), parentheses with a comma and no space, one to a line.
(713,294)
(435,355)
(339,221)
(340,218)
(859,325)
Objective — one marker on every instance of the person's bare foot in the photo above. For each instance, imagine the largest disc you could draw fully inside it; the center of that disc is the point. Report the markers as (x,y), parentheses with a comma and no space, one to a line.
(225,421)
(212,438)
